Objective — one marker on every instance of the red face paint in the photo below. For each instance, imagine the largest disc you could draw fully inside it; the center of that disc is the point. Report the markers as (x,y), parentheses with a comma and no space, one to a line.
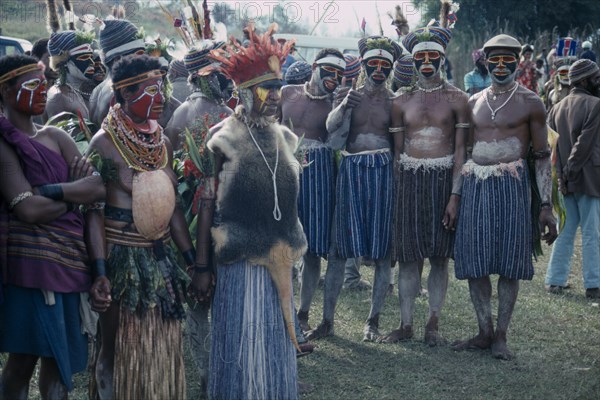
(147,101)
(31,93)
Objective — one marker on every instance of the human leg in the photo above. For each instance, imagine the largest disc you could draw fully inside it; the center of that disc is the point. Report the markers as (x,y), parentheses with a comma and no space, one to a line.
(352,275)
(16,374)
(437,285)
(508,290)
(380,287)
(309,279)
(51,386)
(589,208)
(562,250)
(109,321)
(481,295)
(198,334)
(408,287)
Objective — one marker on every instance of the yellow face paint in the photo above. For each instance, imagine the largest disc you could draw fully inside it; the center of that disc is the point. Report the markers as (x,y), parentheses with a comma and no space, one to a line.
(263,94)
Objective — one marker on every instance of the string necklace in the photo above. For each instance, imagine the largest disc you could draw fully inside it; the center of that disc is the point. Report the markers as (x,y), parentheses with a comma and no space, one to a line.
(312,96)
(501,91)
(431,90)
(487,101)
(276,210)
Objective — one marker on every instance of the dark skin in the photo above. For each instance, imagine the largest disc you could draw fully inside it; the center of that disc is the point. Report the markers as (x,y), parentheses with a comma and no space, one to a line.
(119,194)
(521,123)
(83,188)
(429,120)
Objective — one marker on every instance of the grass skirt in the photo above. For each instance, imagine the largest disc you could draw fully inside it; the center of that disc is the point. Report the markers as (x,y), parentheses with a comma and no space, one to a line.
(252,356)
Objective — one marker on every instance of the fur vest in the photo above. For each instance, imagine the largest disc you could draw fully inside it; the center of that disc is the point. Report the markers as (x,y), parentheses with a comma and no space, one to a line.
(244,226)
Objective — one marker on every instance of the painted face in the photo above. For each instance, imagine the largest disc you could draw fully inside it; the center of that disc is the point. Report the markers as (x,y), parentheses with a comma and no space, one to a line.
(502,66)
(378,69)
(594,84)
(147,101)
(266,100)
(330,77)
(84,63)
(428,63)
(31,93)
(563,74)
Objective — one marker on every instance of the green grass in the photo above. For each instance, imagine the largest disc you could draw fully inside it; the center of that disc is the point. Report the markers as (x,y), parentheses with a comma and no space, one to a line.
(554,338)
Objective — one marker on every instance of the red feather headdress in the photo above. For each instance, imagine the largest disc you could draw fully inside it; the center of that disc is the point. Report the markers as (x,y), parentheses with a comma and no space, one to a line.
(258,63)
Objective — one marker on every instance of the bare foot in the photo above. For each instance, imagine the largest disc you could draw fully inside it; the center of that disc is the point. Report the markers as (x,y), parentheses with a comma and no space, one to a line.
(500,349)
(324,329)
(370,333)
(397,335)
(303,321)
(479,342)
(433,338)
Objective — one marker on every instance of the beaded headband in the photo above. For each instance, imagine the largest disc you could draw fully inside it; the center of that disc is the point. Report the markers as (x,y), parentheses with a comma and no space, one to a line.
(21,71)
(134,80)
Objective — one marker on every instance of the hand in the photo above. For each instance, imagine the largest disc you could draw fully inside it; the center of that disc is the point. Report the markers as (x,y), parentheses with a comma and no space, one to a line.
(451,212)
(100,294)
(201,288)
(548,226)
(562,186)
(80,168)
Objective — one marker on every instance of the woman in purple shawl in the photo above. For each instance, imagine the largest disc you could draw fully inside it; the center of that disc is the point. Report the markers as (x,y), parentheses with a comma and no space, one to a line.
(43,255)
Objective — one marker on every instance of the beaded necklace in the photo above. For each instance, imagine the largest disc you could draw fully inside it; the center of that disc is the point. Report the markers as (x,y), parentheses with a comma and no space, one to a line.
(312,96)
(140,152)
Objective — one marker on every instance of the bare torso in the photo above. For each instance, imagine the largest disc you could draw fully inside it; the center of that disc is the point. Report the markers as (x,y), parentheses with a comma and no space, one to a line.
(304,116)
(64,98)
(369,128)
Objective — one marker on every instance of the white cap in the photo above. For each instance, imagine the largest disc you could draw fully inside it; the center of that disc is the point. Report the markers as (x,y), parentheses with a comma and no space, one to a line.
(587,44)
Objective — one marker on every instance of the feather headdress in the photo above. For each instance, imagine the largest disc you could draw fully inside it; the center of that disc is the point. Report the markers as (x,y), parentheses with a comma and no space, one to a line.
(258,63)
(399,20)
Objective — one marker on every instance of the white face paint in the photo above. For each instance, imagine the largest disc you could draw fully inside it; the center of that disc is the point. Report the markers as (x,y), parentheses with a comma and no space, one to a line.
(426,139)
(505,150)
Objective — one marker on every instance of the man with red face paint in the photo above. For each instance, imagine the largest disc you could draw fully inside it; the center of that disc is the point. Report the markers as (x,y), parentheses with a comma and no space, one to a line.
(71,56)
(43,263)
(430,126)
(138,286)
(495,231)
(363,211)
(317,184)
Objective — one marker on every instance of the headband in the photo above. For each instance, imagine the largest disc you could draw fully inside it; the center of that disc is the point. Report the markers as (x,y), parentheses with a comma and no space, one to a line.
(21,71)
(136,44)
(378,53)
(423,46)
(134,80)
(338,62)
(84,48)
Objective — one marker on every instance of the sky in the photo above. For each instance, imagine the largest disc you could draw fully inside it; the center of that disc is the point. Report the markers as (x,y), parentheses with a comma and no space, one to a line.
(334,18)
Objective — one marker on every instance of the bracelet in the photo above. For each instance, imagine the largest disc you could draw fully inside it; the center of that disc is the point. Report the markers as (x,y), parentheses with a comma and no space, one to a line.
(19,198)
(201,270)
(99,268)
(52,191)
(189,256)
(546,205)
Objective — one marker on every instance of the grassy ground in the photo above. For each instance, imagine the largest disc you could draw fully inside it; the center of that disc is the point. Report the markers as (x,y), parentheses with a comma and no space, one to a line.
(555,339)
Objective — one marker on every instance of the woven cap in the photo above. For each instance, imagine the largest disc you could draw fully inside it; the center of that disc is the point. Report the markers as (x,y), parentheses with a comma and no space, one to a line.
(61,42)
(177,69)
(477,55)
(404,71)
(298,71)
(197,58)
(433,37)
(582,69)
(117,33)
(352,66)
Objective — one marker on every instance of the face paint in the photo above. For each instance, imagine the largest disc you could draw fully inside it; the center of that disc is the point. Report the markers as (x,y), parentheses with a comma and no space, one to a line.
(428,63)
(31,97)
(330,78)
(84,63)
(563,75)
(266,100)
(378,69)
(502,67)
(147,101)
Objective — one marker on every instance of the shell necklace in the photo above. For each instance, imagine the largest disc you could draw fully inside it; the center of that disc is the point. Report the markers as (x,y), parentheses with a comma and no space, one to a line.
(276,210)
(430,90)
(487,101)
(312,96)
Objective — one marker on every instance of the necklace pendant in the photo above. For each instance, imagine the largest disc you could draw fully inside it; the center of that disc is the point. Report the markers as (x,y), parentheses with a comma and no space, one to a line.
(493,116)
(495,97)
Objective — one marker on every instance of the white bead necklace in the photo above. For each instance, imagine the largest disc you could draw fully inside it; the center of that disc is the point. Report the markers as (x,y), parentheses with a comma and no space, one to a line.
(487,101)
(276,210)
(312,96)
(431,90)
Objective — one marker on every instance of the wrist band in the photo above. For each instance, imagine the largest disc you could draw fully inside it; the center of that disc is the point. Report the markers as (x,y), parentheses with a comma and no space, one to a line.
(18,198)
(99,268)
(52,191)
(189,256)
(202,269)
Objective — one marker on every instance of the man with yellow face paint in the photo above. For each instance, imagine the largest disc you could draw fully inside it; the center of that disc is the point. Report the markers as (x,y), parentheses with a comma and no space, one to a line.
(304,108)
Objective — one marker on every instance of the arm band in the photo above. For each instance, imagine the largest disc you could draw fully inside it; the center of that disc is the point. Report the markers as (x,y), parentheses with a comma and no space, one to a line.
(52,191)
(538,155)
(200,269)
(18,198)
(398,129)
(99,268)
(463,125)
(189,256)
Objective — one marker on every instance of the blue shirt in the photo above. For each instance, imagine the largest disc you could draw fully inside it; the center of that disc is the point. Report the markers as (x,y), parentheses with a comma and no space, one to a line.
(474,80)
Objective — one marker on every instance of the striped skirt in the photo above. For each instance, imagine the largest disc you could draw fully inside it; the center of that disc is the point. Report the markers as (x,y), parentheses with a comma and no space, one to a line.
(252,355)
(423,188)
(364,205)
(494,233)
(315,199)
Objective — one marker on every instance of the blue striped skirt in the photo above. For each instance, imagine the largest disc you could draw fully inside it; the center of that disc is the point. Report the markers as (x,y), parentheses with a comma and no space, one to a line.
(422,194)
(315,199)
(494,233)
(363,214)
(251,356)
(29,326)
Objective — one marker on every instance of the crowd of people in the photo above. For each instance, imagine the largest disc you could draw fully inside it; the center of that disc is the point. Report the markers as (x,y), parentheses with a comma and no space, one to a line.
(343,158)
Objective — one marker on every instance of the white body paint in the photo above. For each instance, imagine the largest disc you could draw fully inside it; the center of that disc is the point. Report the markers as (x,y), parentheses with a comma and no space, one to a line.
(497,151)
